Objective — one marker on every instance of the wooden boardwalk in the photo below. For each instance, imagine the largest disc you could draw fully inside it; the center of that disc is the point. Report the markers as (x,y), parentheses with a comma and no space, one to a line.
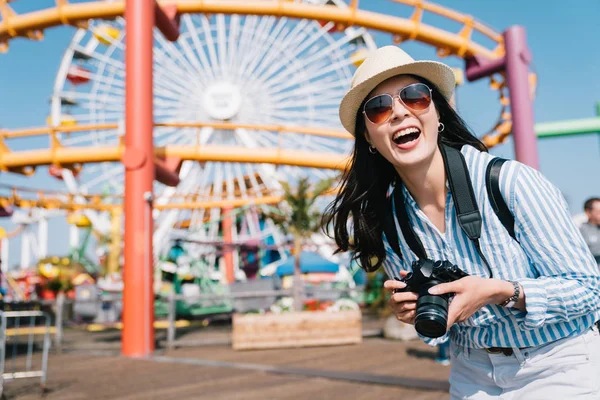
(93,370)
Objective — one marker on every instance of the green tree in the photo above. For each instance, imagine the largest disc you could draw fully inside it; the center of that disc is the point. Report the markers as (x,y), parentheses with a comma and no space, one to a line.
(300,218)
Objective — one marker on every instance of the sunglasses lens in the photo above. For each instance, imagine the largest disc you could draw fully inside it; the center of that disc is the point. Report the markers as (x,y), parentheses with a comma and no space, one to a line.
(417,96)
(379,108)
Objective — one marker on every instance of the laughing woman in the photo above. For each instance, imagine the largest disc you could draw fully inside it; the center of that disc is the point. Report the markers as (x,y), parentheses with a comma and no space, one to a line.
(523,323)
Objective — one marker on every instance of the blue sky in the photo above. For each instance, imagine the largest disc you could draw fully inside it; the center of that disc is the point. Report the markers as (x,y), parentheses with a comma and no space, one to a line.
(562,36)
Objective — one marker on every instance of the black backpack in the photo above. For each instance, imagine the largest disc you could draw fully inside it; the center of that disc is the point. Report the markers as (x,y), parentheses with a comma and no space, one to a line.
(466,206)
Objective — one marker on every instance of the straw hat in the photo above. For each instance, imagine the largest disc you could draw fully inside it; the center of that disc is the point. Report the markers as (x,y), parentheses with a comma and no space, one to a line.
(385,63)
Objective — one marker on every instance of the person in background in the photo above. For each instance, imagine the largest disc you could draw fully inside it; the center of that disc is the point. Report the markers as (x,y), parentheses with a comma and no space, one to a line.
(591,229)
(176,251)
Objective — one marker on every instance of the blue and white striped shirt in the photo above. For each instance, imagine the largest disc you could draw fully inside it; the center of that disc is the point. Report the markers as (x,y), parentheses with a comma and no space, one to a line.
(551,261)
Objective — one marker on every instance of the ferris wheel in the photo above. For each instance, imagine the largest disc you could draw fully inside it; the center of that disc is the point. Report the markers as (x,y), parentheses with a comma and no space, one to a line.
(240,69)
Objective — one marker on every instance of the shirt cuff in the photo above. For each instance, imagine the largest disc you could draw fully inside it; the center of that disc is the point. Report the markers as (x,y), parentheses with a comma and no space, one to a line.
(536,304)
(435,341)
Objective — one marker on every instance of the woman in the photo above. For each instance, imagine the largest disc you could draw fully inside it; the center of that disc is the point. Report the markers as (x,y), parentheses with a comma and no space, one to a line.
(524,328)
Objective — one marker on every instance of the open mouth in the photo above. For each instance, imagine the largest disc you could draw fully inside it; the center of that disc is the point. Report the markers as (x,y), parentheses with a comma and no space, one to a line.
(406,135)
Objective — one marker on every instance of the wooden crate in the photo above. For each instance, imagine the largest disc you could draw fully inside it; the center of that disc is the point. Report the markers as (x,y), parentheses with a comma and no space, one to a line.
(296,329)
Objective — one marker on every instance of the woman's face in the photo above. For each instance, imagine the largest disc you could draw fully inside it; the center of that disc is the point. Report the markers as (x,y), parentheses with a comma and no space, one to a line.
(408,137)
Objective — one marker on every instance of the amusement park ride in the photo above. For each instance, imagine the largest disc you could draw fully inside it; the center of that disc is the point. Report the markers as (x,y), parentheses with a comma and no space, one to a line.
(228,99)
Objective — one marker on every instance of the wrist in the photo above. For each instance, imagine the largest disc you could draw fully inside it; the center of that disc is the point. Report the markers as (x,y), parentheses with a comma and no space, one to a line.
(503,290)
(513,300)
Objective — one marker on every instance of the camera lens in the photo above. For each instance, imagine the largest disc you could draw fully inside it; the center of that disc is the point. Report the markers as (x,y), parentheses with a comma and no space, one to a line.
(432,315)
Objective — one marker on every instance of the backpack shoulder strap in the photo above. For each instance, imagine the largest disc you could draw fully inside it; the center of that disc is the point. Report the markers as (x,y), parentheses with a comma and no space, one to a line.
(492,184)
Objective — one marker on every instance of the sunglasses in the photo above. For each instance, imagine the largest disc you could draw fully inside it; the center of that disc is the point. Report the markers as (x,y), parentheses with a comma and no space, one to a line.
(416,97)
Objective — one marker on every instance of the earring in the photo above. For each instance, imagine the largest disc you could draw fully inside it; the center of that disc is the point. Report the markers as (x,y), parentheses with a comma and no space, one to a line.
(372,150)
(441,127)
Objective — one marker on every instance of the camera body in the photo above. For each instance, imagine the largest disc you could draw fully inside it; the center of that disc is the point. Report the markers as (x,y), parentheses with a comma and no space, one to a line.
(431,317)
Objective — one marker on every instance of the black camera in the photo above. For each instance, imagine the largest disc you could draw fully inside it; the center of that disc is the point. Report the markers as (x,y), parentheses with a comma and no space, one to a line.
(432,310)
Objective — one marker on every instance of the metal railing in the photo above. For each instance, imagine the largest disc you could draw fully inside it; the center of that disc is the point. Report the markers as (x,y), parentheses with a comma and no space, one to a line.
(22,362)
(268,296)
(102,311)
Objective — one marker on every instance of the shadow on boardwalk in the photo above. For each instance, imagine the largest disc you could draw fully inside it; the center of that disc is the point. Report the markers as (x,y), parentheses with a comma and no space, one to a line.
(91,368)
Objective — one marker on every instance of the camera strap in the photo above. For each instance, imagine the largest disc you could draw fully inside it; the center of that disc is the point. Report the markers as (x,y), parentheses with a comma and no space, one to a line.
(467,211)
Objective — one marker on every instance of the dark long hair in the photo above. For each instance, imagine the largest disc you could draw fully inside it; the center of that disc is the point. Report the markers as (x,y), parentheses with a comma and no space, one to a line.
(362,194)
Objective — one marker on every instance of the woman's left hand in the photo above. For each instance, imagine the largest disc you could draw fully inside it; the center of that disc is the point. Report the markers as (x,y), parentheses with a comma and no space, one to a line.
(472,293)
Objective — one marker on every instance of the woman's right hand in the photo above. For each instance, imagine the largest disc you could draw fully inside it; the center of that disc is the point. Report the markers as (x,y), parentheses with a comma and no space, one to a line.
(403,304)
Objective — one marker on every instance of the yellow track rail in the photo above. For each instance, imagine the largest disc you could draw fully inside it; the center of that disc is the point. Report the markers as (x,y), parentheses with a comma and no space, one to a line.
(50,130)
(31,198)
(15,161)
(33,23)
(59,203)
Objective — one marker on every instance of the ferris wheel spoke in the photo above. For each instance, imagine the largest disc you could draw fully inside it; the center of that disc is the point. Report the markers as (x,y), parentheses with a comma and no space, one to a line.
(296,96)
(241,177)
(170,75)
(222,44)
(320,62)
(294,53)
(278,44)
(312,74)
(265,55)
(294,141)
(253,173)
(233,38)
(244,51)
(203,75)
(194,36)
(165,136)
(203,187)
(327,84)
(229,181)
(107,136)
(100,62)
(333,145)
(279,62)
(111,174)
(285,55)
(259,139)
(291,117)
(264,45)
(175,57)
(210,46)
(259,44)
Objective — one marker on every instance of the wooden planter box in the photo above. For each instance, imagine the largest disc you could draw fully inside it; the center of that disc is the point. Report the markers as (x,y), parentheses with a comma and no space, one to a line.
(296,329)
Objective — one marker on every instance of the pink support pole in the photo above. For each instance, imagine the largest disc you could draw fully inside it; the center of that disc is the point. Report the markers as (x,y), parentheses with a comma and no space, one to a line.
(227,226)
(518,58)
(138,297)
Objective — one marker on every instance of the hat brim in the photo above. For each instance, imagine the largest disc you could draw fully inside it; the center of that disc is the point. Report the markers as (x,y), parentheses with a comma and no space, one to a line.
(437,73)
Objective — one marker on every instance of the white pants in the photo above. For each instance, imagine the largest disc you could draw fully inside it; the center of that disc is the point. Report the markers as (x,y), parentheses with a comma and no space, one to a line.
(566,369)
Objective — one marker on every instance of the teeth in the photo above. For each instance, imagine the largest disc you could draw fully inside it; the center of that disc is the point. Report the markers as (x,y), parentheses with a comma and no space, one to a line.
(405,132)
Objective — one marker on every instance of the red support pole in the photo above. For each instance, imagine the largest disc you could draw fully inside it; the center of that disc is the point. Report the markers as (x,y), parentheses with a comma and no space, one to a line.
(138,297)
(518,58)
(227,224)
